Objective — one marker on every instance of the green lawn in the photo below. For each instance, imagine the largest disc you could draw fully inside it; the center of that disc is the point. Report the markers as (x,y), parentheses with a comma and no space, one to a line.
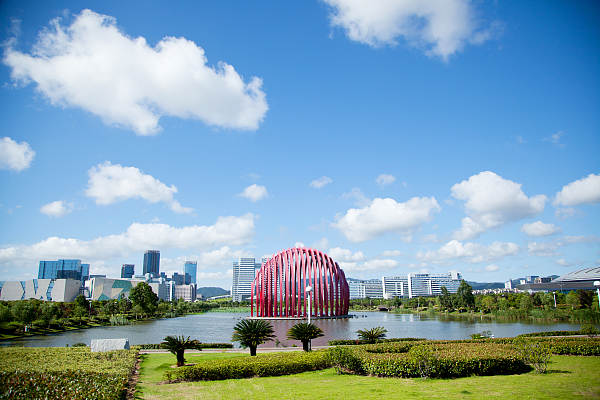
(570,377)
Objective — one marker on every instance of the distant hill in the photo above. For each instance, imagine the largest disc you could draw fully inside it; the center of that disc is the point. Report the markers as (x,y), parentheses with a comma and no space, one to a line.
(486,285)
(211,291)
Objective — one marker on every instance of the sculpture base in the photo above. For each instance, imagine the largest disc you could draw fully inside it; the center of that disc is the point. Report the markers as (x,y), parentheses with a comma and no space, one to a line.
(312,317)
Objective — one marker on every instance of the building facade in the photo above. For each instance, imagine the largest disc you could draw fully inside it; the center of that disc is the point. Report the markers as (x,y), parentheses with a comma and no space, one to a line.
(127,271)
(431,284)
(411,285)
(189,269)
(62,290)
(394,286)
(64,269)
(151,263)
(114,289)
(244,271)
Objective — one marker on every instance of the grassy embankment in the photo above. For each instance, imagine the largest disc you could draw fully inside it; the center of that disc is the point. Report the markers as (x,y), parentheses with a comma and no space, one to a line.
(569,377)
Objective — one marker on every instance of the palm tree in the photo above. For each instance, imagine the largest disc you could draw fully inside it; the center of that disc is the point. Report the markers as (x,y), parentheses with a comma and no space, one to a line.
(304,332)
(252,332)
(177,345)
(372,335)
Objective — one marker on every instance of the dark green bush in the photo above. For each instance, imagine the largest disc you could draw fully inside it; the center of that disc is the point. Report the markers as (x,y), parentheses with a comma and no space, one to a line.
(344,360)
(274,364)
(157,346)
(551,333)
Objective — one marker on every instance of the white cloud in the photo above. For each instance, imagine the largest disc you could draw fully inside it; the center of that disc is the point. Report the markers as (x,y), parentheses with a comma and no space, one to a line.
(108,184)
(492,268)
(321,244)
(230,231)
(564,213)
(491,201)
(583,191)
(377,264)
(564,262)
(386,215)
(299,245)
(472,252)
(440,27)
(544,249)
(391,253)
(345,255)
(57,208)
(385,179)
(320,182)
(94,66)
(254,193)
(360,200)
(555,138)
(538,228)
(15,156)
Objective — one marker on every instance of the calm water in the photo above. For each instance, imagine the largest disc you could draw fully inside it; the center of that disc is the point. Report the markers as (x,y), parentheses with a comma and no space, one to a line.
(218,327)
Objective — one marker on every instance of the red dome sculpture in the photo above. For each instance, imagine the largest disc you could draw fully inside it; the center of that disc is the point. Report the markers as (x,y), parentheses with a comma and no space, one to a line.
(280,286)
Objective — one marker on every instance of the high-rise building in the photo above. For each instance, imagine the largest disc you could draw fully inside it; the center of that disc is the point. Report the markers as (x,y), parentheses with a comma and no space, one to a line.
(127,271)
(431,284)
(64,269)
(189,270)
(394,286)
(244,271)
(178,278)
(151,263)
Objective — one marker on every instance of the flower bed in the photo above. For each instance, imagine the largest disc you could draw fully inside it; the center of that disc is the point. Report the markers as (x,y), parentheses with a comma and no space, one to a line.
(274,364)
(64,373)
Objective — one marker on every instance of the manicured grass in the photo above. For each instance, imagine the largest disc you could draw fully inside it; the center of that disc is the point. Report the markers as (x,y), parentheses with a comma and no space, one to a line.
(570,377)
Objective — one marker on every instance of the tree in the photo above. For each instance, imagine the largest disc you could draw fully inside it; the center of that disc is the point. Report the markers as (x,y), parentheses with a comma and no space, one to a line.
(304,332)
(488,303)
(573,300)
(526,302)
(372,335)
(586,297)
(177,345)
(143,296)
(445,299)
(464,295)
(82,302)
(252,332)
(24,311)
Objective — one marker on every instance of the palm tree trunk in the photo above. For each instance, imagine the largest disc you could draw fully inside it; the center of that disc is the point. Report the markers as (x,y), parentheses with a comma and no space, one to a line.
(252,350)
(305,345)
(180,358)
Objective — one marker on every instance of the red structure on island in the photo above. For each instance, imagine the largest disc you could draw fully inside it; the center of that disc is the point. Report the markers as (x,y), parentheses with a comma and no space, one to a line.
(280,286)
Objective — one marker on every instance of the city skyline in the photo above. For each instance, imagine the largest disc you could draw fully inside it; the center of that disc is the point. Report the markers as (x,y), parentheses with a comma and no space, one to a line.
(256,128)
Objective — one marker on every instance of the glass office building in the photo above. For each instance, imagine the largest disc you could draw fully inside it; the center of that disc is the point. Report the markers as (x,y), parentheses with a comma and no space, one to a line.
(151,263)
(189,270)
(127,271)
(244,271)
(64,269)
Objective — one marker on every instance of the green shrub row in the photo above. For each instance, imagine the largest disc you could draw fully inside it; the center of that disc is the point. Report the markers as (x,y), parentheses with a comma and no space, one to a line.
(576,346)
(274,364)
(70,384)
(157,346)
(439,360)
(351,342)
(64,373)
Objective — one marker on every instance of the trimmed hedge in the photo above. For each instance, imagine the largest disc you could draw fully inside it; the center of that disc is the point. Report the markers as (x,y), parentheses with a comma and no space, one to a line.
(273,364)
(64,373)
(351,342)
(551,333)
(157,346)
(446,360)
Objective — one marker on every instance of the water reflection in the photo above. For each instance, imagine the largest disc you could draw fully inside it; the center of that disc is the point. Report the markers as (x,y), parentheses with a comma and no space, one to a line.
(218,327)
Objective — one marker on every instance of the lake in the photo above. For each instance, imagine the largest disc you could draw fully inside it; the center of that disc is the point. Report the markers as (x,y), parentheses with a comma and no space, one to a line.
(218,327)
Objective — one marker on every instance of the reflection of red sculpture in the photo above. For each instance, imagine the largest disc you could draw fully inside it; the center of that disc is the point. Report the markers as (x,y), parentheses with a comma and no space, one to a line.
(281,282)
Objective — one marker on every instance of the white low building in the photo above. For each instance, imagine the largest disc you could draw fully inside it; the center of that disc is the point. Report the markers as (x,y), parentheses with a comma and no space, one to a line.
(63,290)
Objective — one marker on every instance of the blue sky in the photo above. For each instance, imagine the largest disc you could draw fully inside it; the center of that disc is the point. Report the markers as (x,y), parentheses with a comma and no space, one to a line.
(396,136)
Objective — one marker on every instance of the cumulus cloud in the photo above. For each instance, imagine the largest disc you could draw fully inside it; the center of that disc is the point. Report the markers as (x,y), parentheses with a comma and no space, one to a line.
(492,201)
(564,263)
(583,191)
(321,182)
(230,231)
(345,255)
(377,264)
(555,138)
(254,193)
(94,66)
(544,249)
(492,268)
(299,245)
(110,183)
(386,215)
(15,156)
(57,208)
(440,27)
(391,253)
(538,228)
(321,244)
(385,179)
(472,252)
